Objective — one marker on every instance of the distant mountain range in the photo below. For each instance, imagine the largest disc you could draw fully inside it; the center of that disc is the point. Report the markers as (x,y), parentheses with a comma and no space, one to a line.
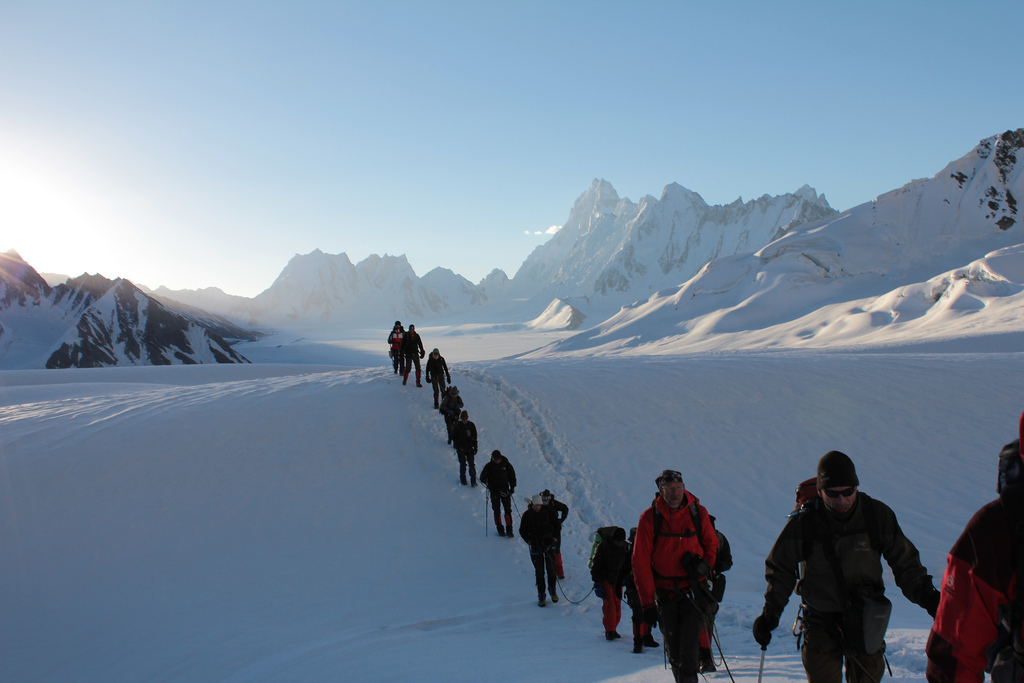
(699,269)
(90,322)
(610,253)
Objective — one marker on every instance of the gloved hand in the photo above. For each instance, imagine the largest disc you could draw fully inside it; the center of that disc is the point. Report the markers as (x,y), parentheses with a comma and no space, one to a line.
(449,379)
(598,590)
(763,627)
(422,354)
(651,615)
(931,602)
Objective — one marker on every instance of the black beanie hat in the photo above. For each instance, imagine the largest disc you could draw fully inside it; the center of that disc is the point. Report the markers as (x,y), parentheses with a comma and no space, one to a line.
(835,470)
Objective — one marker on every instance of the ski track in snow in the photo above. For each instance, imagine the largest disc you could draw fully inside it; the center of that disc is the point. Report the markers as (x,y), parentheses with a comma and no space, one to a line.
(557,459)
(562,458)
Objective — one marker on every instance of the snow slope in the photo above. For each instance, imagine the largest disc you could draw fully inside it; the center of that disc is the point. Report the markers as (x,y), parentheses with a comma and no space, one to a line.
(305,522)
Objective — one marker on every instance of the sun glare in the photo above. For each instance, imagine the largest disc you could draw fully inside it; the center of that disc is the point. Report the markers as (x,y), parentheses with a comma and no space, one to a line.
(56,221)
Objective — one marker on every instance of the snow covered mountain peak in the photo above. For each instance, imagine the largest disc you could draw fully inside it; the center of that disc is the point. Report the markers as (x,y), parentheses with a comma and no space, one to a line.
(807,193)
(18,280)
(327,289)
(612,252)
(676,193)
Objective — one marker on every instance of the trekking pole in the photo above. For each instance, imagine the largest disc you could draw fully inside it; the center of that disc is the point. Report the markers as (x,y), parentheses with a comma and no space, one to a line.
(487,499)
(760,669)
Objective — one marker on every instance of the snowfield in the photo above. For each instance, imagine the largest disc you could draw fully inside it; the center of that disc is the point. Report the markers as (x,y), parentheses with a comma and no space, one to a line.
(300,522)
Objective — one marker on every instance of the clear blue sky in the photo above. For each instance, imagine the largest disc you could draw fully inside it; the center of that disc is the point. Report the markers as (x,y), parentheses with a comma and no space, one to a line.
(195,144)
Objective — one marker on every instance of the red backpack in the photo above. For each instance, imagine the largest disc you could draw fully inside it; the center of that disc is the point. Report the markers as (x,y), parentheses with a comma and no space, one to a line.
(806,494)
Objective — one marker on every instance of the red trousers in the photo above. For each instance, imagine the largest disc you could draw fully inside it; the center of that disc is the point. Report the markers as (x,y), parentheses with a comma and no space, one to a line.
(611,606)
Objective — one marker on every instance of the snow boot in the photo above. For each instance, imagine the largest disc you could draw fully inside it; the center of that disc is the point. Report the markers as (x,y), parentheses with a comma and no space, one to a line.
(611,635)
(649,641)
(554,595)
(540,600)
(638,645)
(501,530)
(405,379)
(508,531)
(418,379)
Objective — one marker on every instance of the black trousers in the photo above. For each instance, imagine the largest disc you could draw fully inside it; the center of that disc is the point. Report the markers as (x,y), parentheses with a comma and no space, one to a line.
(408,360)
(543,559)
(497,500)
(438,384)
(467,457)
(680,622)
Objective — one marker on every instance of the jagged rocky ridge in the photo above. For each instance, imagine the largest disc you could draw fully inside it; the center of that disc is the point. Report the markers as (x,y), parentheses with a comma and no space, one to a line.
(91,321)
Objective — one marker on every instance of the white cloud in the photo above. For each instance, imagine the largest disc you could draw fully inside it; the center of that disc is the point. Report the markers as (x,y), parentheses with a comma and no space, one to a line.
(550,231)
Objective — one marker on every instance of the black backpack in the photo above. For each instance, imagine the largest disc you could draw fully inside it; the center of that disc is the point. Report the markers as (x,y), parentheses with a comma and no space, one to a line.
(605,533)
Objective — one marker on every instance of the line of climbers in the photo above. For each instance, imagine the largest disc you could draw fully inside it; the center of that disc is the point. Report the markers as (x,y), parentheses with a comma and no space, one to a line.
(541,524)
(405,348)
(829,553)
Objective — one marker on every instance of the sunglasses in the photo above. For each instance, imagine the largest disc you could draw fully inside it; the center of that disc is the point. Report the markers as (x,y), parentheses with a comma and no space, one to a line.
(841,493)
(669,476)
